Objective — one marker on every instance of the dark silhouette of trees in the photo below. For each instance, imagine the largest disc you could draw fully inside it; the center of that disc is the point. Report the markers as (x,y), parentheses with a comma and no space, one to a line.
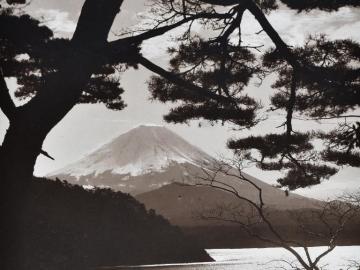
(61,226)
(207,79)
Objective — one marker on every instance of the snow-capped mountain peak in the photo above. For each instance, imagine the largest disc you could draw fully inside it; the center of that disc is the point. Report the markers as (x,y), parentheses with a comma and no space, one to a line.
(141,150)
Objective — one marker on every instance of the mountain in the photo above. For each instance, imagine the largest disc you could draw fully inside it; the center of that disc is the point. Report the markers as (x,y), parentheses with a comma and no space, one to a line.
(142,159)
(160,168)
(149,160)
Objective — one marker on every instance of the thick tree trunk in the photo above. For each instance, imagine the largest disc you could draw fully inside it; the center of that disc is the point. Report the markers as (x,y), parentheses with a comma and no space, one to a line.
(23,143)
(30,124)
(60,92)
(20,148)
(18,154)
(29,127)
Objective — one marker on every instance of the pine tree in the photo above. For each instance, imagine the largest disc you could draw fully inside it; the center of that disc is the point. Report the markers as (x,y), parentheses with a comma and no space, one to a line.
(317,81)
(208,78)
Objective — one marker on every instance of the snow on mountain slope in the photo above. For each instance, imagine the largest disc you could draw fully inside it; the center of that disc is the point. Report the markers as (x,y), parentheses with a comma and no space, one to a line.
(142,159)
(140,151)
(148,160)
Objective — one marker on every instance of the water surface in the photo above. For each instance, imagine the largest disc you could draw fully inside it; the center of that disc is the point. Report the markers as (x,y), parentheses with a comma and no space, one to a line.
(260,259)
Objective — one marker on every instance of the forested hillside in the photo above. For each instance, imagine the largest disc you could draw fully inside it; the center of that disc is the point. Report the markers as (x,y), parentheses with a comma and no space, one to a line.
(55,225)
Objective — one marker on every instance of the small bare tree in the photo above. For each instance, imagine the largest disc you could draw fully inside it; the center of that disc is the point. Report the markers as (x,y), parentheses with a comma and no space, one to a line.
(353,265)
(331,217)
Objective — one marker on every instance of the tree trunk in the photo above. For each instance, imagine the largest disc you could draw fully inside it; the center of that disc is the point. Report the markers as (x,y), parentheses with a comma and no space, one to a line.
(32,122)
(23,143)
(20,148)
(60,92)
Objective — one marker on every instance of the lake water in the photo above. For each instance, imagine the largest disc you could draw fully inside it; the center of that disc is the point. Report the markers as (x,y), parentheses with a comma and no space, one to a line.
(269,258)
(262,258)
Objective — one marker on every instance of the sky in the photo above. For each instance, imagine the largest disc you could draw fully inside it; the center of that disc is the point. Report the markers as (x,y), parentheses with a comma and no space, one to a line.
(87,127)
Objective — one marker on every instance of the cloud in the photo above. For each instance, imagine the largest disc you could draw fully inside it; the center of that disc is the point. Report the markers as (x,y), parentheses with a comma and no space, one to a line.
(57,20)
(293,27)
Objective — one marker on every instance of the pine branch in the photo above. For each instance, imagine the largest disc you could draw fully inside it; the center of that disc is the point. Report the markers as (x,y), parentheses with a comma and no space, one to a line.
(192,88)
(221,2)
(291,105)
(155,32)
(273,34)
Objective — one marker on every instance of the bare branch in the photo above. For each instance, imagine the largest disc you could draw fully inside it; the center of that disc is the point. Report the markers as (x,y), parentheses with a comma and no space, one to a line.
(333,215)
(46,154)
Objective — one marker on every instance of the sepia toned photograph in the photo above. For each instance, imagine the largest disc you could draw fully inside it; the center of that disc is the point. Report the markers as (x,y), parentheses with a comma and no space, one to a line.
(180,134)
